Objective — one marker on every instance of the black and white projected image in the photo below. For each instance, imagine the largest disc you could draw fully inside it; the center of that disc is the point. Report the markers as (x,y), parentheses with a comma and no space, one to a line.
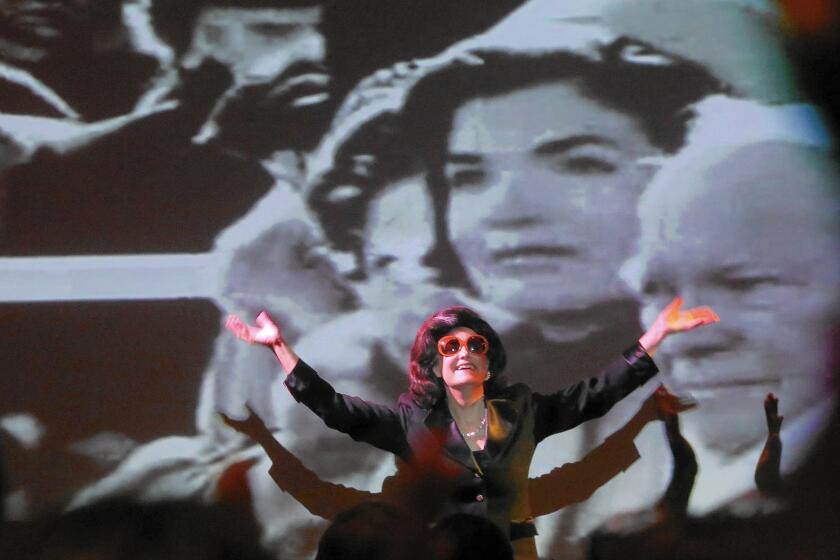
(564,168)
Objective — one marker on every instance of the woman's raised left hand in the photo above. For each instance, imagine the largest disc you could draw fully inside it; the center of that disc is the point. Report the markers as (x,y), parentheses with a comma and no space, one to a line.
(675,319)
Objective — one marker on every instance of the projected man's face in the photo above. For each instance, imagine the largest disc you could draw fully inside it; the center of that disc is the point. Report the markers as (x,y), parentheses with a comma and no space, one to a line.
(751,235)
(544,184)
(275,57)
(32,30)
(258,44)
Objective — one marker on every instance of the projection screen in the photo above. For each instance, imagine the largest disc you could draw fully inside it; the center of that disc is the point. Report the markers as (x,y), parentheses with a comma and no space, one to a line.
(563,168)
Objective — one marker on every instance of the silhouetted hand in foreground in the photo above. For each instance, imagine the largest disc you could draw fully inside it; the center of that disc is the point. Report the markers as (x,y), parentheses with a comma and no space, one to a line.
(674,503)
(252,426)
(768,476)
(771,413)
(669,405)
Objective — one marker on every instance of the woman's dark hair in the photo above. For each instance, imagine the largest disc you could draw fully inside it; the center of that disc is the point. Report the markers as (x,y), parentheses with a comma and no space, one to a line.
(425,387)
(655,94)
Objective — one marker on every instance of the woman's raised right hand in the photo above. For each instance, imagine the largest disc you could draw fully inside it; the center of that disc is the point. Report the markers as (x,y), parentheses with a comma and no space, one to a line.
(265,332)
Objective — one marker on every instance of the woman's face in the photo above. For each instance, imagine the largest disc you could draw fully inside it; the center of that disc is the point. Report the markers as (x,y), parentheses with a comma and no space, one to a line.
(463,369)
(544,184)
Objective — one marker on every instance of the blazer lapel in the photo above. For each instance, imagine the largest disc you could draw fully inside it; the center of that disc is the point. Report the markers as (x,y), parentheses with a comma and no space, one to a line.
(502,416)
(453,445)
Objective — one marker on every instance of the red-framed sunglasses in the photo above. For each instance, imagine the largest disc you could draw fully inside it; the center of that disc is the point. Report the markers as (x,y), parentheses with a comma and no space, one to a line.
(450,345)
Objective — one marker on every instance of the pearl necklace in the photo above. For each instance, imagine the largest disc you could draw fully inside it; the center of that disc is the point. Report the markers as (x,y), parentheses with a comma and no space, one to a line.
(481,426)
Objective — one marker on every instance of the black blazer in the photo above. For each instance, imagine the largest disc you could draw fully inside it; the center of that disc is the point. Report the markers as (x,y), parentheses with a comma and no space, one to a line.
(518,419)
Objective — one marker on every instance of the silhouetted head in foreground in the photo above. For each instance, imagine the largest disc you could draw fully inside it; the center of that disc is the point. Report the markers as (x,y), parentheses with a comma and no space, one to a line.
(123,530)
(462,536)
(371,531)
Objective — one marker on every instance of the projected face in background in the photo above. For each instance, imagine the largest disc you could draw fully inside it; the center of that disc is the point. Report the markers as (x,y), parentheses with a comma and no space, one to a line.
(376,209)
(257,44)
(543,188)
(751,231)
(275,56)
(398,242)
(33,30)
(71,46)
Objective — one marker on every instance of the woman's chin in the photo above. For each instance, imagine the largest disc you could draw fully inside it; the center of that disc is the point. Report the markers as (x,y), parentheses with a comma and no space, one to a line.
(465,379)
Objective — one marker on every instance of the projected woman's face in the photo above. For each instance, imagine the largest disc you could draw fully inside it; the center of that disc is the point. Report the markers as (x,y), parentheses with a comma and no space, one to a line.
(544,184)
(752,236)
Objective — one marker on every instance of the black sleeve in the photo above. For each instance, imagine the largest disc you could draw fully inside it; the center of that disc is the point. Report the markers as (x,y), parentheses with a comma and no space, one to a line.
(379,425)
(592,397)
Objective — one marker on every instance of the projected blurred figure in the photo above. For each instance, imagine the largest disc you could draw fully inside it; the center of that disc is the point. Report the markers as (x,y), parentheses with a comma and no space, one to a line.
(250,87)
(69,46)
(274,54)
(231,165)
(53,58)
(746,218)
